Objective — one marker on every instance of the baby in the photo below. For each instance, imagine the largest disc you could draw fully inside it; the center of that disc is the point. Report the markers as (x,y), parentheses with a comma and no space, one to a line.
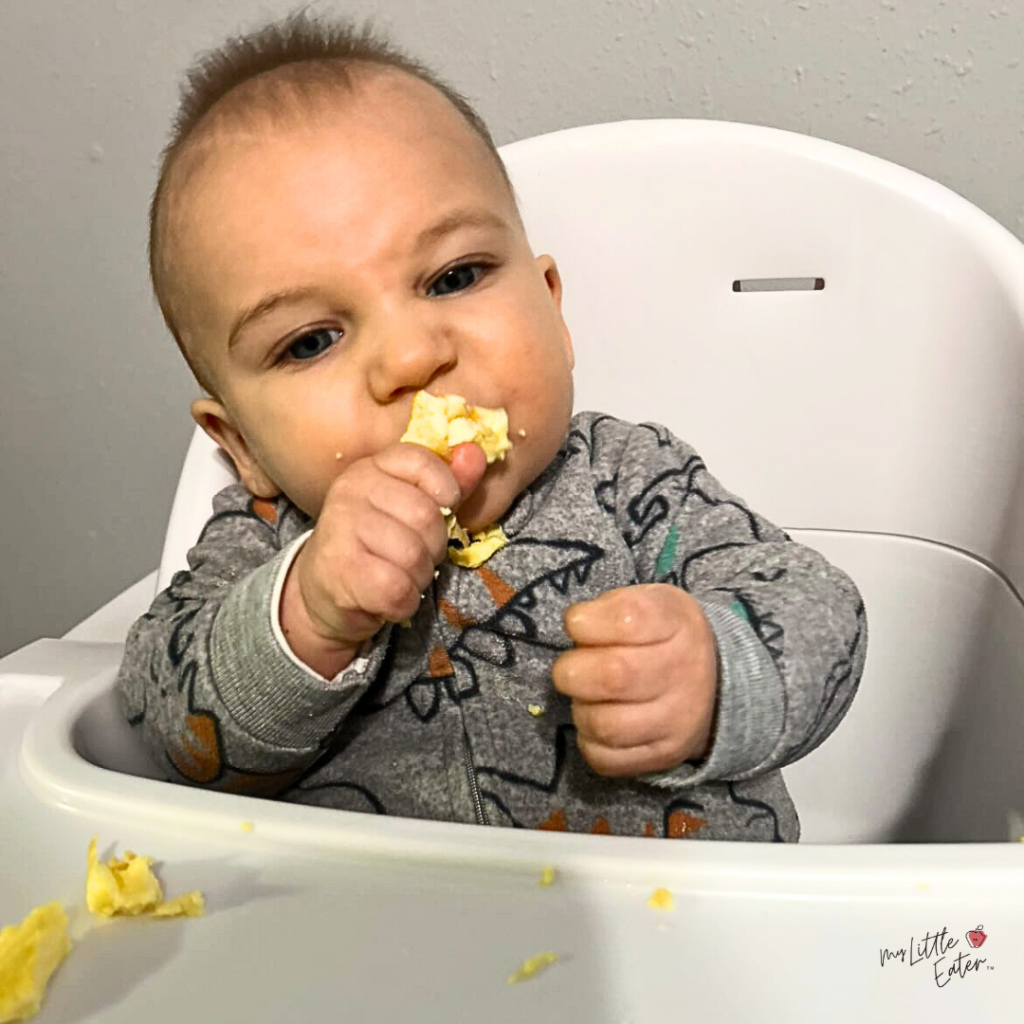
(333,232)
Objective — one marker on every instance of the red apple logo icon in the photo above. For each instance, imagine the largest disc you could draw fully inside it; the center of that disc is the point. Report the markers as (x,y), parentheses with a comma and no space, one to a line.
(977,937)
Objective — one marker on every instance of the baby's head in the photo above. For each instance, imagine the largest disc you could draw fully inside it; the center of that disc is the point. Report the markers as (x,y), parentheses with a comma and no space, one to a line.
(333,231)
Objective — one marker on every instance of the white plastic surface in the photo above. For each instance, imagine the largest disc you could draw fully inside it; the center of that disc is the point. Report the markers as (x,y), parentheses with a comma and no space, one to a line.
(317,914)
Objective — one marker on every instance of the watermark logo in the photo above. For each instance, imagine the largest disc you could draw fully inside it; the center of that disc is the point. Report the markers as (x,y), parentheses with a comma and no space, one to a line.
(936,950)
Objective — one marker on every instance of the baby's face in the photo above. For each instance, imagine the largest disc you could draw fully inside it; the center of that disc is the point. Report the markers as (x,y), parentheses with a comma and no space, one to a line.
(337,266)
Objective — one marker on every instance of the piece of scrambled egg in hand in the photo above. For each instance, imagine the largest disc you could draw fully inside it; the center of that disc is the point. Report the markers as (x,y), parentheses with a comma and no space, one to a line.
(29,953)
(440,423)
(128,886)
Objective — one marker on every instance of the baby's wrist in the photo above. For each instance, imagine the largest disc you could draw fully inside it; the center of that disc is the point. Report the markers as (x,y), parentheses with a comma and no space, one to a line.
(324,654)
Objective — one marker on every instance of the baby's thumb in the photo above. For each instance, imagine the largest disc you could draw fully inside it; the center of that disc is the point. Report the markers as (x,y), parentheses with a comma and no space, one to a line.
(468,464)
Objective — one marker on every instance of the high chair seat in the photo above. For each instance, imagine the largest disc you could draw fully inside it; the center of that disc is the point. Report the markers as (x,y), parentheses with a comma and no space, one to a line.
(843,342)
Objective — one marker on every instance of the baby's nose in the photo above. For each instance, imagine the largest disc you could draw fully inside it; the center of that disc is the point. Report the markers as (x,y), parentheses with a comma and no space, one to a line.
(410,360)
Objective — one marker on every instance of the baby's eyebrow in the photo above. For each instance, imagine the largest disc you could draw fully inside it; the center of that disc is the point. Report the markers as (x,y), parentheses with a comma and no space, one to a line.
(264,306)
(465,218)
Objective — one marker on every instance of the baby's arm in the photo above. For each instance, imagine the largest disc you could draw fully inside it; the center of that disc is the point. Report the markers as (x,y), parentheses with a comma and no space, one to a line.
(221,699)
(789,627)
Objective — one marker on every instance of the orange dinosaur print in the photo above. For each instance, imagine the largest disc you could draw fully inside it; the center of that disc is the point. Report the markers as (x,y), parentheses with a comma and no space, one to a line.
(501,593)
(681,824)
(453,616)
(649,832)
(555,822)
(265,510)
(261,785)
(198,755)
(440,664)
(601,827)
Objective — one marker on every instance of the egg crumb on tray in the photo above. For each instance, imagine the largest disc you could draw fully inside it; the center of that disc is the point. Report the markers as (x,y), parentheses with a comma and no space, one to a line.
(128,886)
(661,899)
(440,423)
(29,954)
(531,966)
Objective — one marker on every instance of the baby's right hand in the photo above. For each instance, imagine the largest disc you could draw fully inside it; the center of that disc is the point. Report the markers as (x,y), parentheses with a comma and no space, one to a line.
(372,554)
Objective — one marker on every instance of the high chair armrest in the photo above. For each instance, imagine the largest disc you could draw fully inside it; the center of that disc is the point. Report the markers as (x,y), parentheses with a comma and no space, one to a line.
(111,622)
(40,668)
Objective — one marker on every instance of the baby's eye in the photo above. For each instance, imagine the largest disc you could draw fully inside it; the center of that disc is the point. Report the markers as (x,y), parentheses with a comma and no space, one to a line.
(313,343)
(458,278)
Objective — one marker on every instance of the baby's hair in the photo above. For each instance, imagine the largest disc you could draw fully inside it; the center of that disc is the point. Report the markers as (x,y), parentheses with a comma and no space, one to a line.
(309,55)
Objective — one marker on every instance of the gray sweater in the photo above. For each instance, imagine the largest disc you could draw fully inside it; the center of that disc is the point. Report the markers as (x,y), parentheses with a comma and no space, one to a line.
(434,720)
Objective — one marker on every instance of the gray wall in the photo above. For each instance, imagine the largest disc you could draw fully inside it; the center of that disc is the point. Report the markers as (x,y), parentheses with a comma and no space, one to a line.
(93,396)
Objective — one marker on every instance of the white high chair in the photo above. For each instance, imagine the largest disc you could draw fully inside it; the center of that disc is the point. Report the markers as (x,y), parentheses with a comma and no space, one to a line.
(843,342)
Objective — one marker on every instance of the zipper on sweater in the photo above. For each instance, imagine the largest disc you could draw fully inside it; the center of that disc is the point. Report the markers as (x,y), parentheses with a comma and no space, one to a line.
(467,750)
(474,787)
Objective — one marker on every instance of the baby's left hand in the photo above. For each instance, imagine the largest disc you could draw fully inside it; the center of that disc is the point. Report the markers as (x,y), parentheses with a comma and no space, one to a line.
(642,678)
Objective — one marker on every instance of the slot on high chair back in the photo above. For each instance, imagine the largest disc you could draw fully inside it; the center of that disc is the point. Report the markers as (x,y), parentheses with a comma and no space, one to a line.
(843,342)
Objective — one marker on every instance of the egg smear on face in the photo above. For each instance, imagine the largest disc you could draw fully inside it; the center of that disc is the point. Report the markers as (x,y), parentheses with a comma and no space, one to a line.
(440,423)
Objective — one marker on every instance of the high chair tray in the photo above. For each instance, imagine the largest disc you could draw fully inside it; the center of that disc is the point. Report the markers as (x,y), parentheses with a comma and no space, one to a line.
(321,914)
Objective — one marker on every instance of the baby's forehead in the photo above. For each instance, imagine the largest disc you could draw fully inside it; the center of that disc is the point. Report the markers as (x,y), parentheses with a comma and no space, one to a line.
(374,116)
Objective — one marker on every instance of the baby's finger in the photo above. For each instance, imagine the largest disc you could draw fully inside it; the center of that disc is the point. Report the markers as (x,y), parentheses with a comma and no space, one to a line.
(627,615)
(620,726)
(423,469)
(617,763)
(409,505)
(468,466)
(397,544)
(383,590)
(608,674)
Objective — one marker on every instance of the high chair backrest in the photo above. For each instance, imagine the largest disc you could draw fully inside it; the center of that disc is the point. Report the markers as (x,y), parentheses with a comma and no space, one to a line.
(839,337)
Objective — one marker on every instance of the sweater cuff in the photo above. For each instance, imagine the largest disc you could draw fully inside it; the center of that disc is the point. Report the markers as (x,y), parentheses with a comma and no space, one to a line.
(266,689)
(749,708)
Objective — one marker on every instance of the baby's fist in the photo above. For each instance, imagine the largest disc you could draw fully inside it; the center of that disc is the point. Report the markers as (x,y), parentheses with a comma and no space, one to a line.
(642,678)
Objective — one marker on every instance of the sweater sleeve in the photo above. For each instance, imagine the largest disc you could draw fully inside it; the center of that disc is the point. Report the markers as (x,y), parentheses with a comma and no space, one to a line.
(790,628)
(207,674)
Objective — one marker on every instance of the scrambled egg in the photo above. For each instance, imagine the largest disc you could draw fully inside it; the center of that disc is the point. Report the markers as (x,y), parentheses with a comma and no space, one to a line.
(29,954)
(661,899)
(531,966)
(128,886)
(440,423)
(31,951)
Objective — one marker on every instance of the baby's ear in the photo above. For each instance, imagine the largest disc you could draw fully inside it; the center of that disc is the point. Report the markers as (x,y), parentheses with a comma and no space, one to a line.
(214,419)
(553,280)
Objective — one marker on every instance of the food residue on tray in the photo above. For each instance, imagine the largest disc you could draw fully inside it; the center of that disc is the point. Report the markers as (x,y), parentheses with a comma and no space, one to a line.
(29,954)
(661,899)
(128,886)
(531,966)
(31,951)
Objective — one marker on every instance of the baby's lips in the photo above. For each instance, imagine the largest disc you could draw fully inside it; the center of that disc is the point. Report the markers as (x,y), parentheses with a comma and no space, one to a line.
(468,464)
